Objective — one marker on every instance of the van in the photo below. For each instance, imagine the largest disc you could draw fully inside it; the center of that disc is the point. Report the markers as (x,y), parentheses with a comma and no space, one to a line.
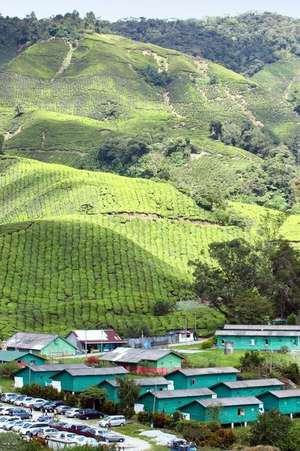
(112,420)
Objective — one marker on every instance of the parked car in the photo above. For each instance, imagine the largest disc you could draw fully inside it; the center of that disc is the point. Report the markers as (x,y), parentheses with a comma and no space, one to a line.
(111,437)
(72,413)
(50,406)
(9,422)
(41,432)
(37,404)
(17,425)
(18,399)
(47,432)
(45,418)
(112,421)
(26,402)
(92,432)
(87,414)
(21,413)
(66,437)
(9,397)
(25,428)
(59,425)
(86,441)
(77,428)
(62,409)
(2,421)
(5,410)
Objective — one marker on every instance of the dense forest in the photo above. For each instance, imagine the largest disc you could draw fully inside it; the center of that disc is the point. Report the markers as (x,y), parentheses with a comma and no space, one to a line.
(244,44)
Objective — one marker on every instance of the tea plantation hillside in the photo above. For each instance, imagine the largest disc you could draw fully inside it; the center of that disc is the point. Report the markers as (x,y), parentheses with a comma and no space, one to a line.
(61,100)
(82,248)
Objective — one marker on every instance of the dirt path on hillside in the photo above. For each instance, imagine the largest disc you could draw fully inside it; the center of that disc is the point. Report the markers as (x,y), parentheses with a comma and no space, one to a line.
(67,60)
(9,135)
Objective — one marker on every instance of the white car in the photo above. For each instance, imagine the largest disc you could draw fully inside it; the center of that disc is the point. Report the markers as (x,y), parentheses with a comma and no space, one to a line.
(86,441)
(27,401)
(17,425)
(38,403)
(17,401)
(9,422)
(72,413)
(2,421)
(25,424)
(66,437)
(5,410)
(9,397)
(112,420)
(40,431)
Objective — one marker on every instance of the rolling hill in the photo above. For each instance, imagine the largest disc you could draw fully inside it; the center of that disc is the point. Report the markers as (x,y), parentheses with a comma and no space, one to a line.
(60,100)
(83,248)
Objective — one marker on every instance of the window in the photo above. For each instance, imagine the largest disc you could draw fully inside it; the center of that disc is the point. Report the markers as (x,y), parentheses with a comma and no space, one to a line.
(252,342)
(193,381)
(223,341)
(241,412)
(266,341)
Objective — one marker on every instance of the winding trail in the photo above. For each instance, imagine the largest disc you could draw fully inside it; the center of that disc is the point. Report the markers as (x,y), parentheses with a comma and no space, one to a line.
(67,60)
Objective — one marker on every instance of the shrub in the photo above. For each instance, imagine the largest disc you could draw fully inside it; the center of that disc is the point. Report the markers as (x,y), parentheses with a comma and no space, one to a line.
(8,369)
(209,343)
(161,420)
(271,428)
(92,360)
(162,308)
(145,417)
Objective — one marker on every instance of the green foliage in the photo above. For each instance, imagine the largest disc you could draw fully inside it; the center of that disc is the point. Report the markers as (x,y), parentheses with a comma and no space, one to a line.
(8,369)
(252,361)
(251,274)
(155,77)
(119,153)
(92,397)
(162,308)
(292,319)
(128,393)
(211,435)
(228,40)
(271,429)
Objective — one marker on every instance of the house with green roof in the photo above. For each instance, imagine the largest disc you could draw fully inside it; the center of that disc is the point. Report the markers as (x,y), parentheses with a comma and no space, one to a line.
(21,358)
(251,387)
(226,411)
(41,374)
(264,339)
(187,378)
(168,401)
(49,345)
(145,385)
(286,402)
(75,380)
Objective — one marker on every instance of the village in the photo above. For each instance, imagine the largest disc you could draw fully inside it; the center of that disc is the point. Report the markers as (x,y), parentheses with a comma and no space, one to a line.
(100,361)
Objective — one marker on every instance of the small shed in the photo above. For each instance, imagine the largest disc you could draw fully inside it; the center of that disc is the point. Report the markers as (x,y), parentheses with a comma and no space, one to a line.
(145,385)
(259,340)
(224,410)
(168,401)
(286,402)
(78,379)
(95,340)
(41,374)
(145,361)
(186,378)
(46,344)
(251,387)
(21,358)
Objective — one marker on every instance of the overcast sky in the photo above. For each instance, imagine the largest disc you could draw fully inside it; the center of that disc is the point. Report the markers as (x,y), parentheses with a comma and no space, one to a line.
(116,9)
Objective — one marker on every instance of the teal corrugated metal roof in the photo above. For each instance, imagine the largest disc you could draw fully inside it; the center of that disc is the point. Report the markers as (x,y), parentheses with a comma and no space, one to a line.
(10,356)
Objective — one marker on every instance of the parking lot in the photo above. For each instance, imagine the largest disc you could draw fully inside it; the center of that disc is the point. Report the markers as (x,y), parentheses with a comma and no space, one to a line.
(59,429)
